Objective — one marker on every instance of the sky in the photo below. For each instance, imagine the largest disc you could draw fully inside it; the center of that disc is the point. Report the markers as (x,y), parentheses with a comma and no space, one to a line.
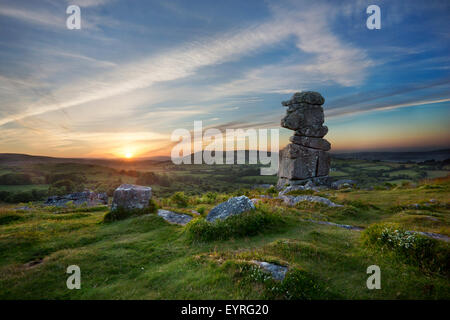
(138,70)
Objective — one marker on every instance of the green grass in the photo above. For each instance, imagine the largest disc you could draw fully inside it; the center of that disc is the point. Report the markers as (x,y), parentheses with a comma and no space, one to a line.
(144,257)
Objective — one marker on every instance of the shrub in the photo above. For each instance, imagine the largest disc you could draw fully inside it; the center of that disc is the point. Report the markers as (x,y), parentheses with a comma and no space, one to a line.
(180,199)
(429,254)
(246,224)
(121,213)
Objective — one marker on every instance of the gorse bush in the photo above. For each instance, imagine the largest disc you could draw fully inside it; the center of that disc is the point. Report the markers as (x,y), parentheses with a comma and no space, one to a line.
(429,254)
(246,224)
(121,213)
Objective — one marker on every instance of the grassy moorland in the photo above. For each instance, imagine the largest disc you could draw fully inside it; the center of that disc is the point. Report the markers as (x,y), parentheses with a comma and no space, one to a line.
(35,180)
(144,257)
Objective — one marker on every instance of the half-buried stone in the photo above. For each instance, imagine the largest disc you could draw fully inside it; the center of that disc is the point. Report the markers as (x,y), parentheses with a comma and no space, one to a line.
(233,206)
(131,197)
(276,271)
(173,217)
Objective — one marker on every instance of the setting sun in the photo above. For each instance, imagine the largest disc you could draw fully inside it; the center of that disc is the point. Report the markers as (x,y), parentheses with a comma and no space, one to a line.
(128,155)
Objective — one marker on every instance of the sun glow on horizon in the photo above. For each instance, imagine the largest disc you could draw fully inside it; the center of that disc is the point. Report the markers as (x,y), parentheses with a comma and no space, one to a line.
(128,155)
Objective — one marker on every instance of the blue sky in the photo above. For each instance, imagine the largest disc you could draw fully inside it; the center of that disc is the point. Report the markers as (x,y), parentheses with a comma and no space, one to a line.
(137,70)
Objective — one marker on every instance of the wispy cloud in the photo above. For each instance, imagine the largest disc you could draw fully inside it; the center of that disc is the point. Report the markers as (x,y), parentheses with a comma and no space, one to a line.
(336,113)
(333,60)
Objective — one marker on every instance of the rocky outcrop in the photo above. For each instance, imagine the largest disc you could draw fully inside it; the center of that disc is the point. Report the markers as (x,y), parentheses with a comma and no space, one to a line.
(233,206)
(129,197)
(86,197)
(306,158)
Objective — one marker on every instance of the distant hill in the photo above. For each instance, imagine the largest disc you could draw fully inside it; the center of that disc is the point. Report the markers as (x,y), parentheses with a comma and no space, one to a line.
(16,159)
(416,156)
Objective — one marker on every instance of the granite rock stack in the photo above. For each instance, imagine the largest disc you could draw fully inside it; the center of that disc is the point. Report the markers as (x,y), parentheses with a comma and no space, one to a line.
(305,160)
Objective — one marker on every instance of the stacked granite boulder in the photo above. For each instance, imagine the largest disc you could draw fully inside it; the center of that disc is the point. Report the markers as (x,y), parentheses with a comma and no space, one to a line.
(305,160)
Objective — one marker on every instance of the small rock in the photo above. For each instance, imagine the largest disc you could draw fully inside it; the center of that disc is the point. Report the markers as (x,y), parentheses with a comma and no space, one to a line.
(290,189)
(233,206)
(172,217)
(343,183)
(86,197)
(277,272)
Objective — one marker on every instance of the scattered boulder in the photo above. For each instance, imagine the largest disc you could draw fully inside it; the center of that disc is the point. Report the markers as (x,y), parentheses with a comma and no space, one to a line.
(86,197)
(293,200)
(233,206)
(276,271)
(173,217)
(290,189)
(343,183)
(129,197)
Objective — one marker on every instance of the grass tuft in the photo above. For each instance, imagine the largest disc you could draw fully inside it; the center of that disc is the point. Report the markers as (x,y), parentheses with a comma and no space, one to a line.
(246,224)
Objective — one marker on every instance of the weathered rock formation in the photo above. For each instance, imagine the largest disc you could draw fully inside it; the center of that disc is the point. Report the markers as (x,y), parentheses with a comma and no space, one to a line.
(305,159)
(130,196)
(86,197)
(233,206)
